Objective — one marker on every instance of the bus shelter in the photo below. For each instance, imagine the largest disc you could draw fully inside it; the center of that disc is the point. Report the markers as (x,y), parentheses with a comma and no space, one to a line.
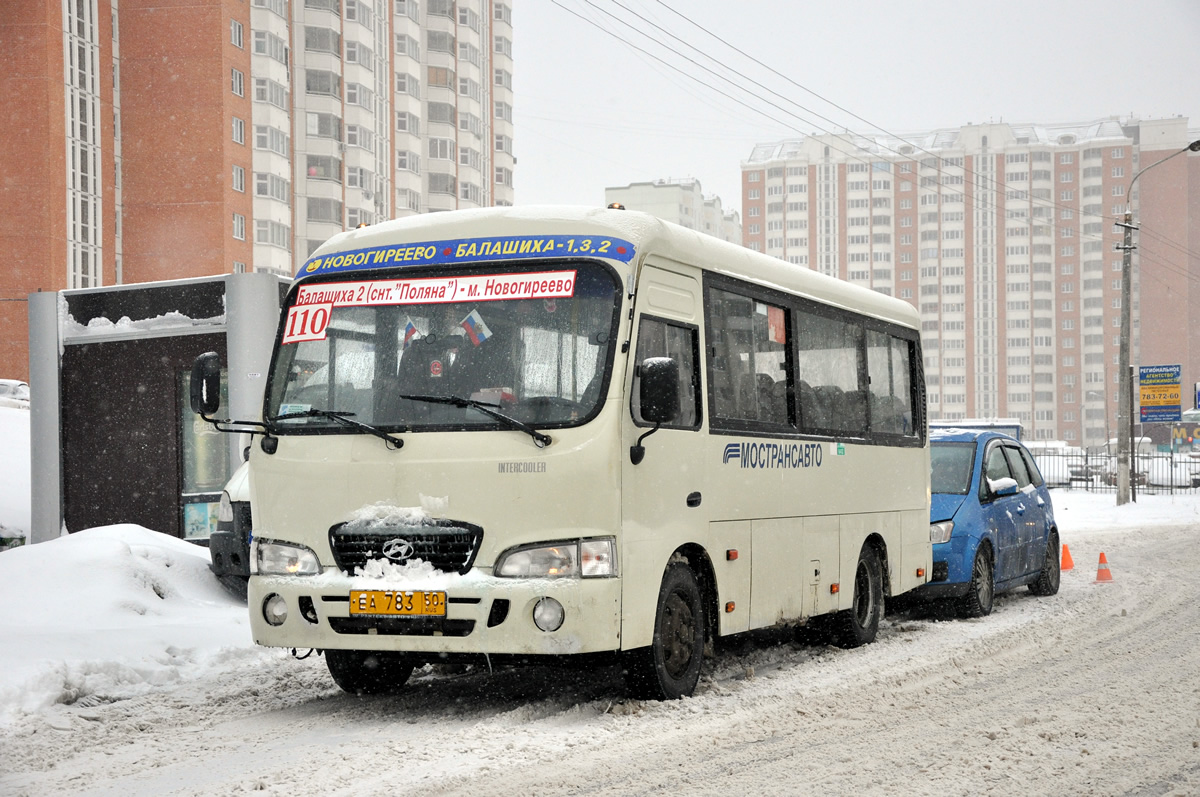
(113,437)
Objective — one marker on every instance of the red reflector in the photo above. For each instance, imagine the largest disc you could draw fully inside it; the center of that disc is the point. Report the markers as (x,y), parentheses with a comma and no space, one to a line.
(920,572)
(729,607)
(731,554)
(834,589)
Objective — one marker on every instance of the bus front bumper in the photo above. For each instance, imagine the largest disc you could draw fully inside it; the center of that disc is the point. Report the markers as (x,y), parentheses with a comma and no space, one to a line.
(483,615)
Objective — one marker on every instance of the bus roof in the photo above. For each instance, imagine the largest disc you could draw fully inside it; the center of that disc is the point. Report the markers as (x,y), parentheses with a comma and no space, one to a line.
(646,233)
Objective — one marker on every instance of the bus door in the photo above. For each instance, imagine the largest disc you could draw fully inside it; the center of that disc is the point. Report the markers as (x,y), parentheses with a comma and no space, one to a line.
(662,493)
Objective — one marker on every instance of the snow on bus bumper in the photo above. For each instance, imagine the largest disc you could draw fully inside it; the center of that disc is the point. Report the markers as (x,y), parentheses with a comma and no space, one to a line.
(482,614)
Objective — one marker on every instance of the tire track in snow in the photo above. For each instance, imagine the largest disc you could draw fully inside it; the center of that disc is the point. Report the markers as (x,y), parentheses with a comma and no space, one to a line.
(1092,691)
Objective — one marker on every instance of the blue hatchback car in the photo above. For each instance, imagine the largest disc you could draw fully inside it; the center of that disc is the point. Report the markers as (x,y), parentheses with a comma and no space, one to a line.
(991,521)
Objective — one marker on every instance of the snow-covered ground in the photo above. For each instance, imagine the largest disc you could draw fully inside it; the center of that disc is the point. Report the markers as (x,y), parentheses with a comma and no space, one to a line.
(126,670)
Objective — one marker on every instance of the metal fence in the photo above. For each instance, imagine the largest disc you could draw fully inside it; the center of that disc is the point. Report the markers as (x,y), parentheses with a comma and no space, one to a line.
(1150,473)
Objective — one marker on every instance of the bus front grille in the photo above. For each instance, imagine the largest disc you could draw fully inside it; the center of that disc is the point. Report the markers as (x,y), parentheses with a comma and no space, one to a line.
(448,545)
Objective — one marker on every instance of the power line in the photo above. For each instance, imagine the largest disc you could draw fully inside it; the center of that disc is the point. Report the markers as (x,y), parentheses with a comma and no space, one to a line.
(940,159)
(701,66)
(983,179)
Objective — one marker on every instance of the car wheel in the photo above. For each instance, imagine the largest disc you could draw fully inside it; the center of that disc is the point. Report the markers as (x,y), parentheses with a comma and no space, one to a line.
(368,672)
(978,600)
(1048,579)
(670,667)
(859,624)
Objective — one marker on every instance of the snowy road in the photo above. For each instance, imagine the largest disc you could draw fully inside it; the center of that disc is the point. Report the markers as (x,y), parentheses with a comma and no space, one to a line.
(1094,691)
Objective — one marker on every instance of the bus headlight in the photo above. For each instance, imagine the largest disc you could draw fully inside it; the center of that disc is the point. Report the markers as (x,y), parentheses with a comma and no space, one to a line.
(567,559)
(285,559)
(940,532)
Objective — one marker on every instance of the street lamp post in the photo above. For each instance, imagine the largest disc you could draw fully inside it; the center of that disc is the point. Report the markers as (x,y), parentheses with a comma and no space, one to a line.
(1104,403)
(1125,372)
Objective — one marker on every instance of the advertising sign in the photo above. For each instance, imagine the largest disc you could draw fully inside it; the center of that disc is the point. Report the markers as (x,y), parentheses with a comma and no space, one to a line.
(1160,392)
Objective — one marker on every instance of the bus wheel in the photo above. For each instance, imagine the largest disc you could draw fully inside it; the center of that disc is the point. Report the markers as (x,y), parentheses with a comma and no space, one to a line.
(859,624)
(670,668)
(368,672)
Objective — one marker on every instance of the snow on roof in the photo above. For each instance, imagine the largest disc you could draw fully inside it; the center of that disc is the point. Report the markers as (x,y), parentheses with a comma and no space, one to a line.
(887,145)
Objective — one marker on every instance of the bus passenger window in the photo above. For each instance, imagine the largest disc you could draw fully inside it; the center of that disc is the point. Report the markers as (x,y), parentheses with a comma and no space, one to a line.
(829,353)
(749,359)
(661,339)
(889,366)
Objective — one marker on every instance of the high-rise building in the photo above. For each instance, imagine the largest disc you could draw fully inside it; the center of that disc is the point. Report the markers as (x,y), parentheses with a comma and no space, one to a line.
(149,141)
(681,202)
(1003,236)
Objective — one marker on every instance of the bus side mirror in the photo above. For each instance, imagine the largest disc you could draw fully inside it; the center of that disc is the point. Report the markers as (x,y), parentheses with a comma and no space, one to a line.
(659,390)
(658,396)
(206,384)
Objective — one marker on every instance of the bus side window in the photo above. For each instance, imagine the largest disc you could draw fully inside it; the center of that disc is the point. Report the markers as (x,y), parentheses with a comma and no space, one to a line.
(663,339)
(749,358)
(828,359)
(889,366)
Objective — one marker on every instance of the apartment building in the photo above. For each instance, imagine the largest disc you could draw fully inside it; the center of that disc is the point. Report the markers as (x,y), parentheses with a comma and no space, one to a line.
(1003,237)
(149,141)
(682,202)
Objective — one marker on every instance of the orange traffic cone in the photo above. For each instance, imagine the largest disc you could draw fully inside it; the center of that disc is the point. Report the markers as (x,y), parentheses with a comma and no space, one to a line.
(1102,572)
(1067,562)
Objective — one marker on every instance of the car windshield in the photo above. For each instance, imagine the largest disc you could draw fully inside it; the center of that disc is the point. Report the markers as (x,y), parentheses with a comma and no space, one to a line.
(389,350)
(951,465)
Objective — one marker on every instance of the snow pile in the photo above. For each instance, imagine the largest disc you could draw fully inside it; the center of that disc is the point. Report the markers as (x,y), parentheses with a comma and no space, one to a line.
(110,613)
(104,326)
(385,514)
(70,328)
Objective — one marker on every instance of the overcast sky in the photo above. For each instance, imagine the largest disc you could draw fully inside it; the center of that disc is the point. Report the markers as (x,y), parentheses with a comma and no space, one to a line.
(591,111)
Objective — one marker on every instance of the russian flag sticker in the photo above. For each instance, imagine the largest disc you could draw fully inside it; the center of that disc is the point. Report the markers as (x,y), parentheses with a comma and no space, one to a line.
(477,331)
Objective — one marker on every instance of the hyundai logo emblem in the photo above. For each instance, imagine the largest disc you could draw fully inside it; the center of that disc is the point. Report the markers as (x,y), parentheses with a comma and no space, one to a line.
(399,550)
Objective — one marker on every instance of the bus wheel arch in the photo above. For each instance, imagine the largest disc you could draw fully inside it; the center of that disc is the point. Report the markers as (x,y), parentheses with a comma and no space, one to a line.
(876,541)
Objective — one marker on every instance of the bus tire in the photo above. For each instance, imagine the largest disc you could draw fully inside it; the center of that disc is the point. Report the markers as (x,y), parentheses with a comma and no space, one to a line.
(859,624)
(368,672)
(1048,580)
(670,667)
(981,592)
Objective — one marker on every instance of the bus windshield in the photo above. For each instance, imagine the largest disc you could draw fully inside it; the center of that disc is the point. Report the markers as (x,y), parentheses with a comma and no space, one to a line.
(448,349)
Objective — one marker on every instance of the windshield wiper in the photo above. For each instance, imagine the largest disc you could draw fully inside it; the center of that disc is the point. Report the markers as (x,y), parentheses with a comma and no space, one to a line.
(541,438)
(343,418)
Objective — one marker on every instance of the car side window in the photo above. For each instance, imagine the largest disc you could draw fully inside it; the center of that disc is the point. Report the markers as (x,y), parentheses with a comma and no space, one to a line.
(1017,466)
(995,466)
(1035,475)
